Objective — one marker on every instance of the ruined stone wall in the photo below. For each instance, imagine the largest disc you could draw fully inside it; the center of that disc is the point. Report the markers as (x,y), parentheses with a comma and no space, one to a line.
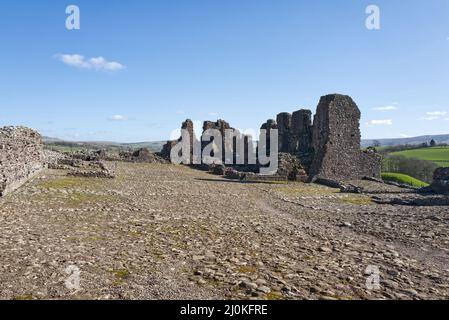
(440,182)
(284,123)
(166,149)
(21,156)
(301,131)
(221,126)
(328,149)
(336,142)
(302,144)
(271,124)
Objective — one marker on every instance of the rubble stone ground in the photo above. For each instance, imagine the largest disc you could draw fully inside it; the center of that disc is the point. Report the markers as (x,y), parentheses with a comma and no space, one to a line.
(170,232)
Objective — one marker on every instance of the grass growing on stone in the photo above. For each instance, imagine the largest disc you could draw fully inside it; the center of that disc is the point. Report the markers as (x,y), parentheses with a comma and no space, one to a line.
(121,274)
(274,296)
(79,198)
(23,297)
(247,269)
(298,189)
(66,183)
(362,200)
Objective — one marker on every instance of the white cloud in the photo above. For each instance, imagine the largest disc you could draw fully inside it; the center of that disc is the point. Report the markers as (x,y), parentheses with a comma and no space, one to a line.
(403,135)
(213,114)
(386,108)
(435,115)
(385,122)
(118,117)
(98,63)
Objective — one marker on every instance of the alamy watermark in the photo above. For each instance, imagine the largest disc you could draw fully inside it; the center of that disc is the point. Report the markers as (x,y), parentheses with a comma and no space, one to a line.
(73,21)
(372,22)
(232,149)
(73,280)
(373,277)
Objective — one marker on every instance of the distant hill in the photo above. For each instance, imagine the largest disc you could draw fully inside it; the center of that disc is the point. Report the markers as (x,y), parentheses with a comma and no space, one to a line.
(61,145)
(444,138)
(156,146)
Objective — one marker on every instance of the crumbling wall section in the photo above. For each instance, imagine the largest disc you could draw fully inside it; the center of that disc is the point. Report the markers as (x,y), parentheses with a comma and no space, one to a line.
(336,142)
(21,157)
(440,182)
(302,132)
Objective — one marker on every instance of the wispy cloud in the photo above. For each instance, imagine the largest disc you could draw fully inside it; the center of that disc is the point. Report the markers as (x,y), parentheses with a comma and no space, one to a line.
(435,115)
(118,117)
(386,108)
(384,122)
(98,63)
(403,135)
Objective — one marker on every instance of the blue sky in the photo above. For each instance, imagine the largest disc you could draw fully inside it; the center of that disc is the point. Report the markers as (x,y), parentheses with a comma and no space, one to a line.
(240,60)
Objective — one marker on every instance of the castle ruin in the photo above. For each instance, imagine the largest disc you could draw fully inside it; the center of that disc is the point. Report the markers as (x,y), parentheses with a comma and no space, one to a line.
(328,148)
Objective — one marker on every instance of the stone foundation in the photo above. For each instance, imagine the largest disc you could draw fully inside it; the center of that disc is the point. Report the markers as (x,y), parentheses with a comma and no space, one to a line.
(21,157)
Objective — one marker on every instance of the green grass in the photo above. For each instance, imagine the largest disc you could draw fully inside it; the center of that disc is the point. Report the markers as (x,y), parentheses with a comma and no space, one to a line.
(403,178)
(438,155)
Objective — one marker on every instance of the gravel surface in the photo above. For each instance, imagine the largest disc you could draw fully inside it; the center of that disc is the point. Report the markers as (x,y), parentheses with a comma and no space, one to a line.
(170,232)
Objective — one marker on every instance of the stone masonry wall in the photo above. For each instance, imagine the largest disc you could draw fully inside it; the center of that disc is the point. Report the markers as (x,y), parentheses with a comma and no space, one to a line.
(284,123)
(336,142)
(21,156)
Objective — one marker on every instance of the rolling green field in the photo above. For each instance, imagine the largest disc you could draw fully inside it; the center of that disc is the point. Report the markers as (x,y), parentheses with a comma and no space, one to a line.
(403,178)
(438,155)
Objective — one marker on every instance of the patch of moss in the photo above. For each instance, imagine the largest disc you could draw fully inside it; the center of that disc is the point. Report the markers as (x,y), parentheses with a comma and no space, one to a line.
(362,200)
(65,183)
(121,274)
(24,297)
(247,269)
(298,189)
(93,239)
(78,198)
(274,296)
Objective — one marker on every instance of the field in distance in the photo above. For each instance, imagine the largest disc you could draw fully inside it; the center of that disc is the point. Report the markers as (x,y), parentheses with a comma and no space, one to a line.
(438,155)
(404,179)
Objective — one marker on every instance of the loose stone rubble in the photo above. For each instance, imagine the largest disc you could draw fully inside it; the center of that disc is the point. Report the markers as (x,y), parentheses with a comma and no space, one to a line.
(143,155)
(170,232)
(21,157)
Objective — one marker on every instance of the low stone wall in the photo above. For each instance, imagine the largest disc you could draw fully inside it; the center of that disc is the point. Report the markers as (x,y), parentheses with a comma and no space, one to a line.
(21,156)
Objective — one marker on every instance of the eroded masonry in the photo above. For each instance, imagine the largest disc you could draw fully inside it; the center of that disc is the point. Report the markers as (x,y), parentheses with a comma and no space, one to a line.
(327,148)
(21,156)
